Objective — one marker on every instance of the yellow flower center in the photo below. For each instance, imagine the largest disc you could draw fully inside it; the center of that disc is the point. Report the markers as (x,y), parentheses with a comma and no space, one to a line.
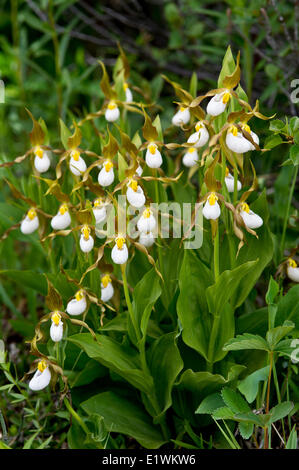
(198,126)
(106,280)
(126,86)
(31,214)
(182,109)
(98,202)
(76,155)
(146,213)
(56,317)
(79,295)
(226,171)
(120,242)
(212,199)
(39,152)
(246,128)
(85,231)
(108,165)
(245,207)
(152,148)
(111,105)
(292,263)
(234,130)
(192,149)
(226,97)
(63,209)
(134,185)
(42,365)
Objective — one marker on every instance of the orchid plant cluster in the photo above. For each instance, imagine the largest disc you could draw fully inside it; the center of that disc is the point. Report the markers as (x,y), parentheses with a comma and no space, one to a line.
(216,140)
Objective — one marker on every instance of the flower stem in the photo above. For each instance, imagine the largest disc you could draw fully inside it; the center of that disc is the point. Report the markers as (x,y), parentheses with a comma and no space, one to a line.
(151,396)
(157,202)
(266,438)
(287,213)
(216,254)
(128,301)
(216,318)
(76,416)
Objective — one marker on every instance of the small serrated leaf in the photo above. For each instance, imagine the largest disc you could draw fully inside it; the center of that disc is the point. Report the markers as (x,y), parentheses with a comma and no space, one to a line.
(246,430)
(234,401)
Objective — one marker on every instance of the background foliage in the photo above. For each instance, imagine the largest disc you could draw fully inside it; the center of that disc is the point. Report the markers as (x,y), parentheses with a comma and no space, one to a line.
(48,62)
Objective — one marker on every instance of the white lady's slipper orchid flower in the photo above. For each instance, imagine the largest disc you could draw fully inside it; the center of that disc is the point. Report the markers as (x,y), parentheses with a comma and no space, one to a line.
(251,220)
(86,240)
(293,270)
(146,239)
(147,222)
(119,253)
(181,117)
(107,290)
(254,136)
(106,175)
(30,223)
(191,157)
(56,330)
(41,160)
(77,305)
(129,95)
(236,142)
(112,112)
(77,164)
(41,378)
(218,103)
(200,137)
(211,208)
(229,181)
(99,210)
(62,219)
(135,194)
(153,157)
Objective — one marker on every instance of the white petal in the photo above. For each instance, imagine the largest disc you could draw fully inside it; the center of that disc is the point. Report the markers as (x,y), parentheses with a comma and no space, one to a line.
(107,292)
(136,198)
(86,245)
(119,256)
(237,143)
(112,115)
(211,211)
(153,161)
(216,105)
(56,332)
(181,117)
(129,96)
(139,170)
(42,164)
(229,181)
(77,167)
(61,221)
(146,224)
(100,214)
(190,159)
(251,220)
(146,239)
(200,138)
(293,273)
(105,178)
(76,307)
(29,226)
(255,138)
(40,380)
